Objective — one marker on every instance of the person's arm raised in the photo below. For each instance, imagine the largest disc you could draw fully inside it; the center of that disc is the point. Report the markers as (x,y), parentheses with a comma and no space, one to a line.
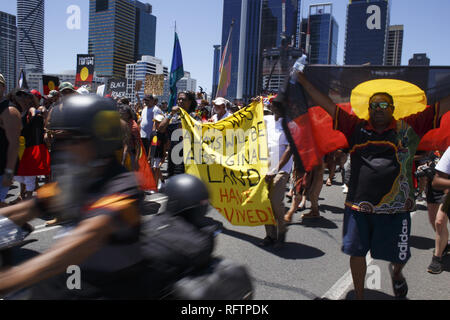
(318,97)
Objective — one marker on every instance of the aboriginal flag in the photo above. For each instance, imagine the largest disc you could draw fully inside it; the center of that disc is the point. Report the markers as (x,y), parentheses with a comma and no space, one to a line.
(49,83)
(85,69)
(309,128)
(144,174)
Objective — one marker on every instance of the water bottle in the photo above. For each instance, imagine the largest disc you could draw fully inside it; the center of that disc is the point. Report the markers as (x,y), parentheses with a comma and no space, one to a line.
(298,66)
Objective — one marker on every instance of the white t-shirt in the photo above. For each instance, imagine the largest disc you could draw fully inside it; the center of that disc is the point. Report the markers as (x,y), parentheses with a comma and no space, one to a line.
(215,117)
(147,120)
(277,143)
(444,164)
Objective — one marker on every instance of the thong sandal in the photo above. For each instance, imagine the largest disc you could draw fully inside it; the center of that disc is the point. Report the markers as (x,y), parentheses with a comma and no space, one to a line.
(310,215)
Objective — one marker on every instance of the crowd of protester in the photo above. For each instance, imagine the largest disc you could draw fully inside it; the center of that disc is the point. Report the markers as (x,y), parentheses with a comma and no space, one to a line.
(149,123)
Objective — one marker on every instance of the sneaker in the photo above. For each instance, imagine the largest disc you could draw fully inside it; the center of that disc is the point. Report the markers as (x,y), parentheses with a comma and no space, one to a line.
(400,287)
(436,266)
(446,250)
(280,241)
(267,241)
(345,189)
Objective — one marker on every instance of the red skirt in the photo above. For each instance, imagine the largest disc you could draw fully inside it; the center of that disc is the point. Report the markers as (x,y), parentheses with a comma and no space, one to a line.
(35,161)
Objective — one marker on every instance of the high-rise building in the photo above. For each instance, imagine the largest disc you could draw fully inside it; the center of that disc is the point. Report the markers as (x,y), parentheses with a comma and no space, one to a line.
(366,32)
(279,41)
(324,32)
(419,59)
(276,65)
(138,71)
(216,67)
(112,36)
(187,83)
(245,44)
(394,46)
(30,27)
(8,49)
(279,16)
(145,31)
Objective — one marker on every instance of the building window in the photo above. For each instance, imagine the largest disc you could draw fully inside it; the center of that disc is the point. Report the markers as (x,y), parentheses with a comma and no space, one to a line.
(101,5)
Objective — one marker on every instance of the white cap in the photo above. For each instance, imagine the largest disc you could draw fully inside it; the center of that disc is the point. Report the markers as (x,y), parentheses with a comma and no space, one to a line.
(158,117)
(220,101)
(83,90)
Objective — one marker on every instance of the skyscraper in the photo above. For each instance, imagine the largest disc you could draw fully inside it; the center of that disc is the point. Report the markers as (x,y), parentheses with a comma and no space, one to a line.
(366,32)
(279,16)
(394,46)
(145,31)
(245,46)
(112,35)
(419,59)
(8,49)
(30,27)
(279,41)
(324,32)
(216,67)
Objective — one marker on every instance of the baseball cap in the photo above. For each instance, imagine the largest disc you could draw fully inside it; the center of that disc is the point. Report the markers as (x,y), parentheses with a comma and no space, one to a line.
(53,94)
(36,93)
(83,90)
(2,79)
(66,86)
(220,101)
(148,96)
(158,118)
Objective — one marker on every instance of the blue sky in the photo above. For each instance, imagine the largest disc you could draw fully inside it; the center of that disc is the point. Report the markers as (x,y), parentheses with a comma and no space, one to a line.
(199,26)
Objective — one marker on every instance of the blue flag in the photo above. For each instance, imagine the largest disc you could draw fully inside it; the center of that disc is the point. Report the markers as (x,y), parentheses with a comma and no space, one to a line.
(176,71)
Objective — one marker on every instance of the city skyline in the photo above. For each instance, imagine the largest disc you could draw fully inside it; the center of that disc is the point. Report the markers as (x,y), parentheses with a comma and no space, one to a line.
(200,28)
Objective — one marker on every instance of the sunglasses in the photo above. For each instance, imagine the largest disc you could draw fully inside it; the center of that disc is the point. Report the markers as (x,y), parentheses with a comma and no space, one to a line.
(381,105)
(182,99)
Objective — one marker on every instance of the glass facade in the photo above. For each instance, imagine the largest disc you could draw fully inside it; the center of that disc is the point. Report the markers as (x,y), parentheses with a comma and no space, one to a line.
(145,31)
(324,37)
(251,68)
(367,31)
(8,49)
(30,28)
(112,36)
(272,22)
(232,11)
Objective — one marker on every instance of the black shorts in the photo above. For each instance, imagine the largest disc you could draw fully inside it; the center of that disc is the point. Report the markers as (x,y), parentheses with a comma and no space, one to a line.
(433,195)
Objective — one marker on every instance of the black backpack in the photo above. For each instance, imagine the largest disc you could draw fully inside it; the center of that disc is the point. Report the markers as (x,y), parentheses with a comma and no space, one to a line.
(172,245)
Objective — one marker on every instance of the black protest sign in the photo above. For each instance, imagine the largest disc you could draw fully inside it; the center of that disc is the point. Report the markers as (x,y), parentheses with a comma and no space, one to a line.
(117,88)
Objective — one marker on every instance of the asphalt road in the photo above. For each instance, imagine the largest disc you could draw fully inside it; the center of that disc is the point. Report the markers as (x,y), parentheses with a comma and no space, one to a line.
(311,264)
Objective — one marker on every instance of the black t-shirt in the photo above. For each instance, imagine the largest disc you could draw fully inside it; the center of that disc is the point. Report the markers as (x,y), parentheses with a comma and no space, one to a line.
(381,163)
(158,140)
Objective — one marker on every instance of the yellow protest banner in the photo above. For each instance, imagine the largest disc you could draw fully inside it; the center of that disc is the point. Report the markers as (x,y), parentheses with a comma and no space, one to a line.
(231,157)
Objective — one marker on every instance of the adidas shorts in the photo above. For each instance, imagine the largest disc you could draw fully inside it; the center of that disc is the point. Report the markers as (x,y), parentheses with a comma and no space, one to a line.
(385,236)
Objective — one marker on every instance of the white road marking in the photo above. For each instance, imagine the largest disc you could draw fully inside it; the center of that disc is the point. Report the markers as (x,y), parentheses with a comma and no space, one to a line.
(337,291)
